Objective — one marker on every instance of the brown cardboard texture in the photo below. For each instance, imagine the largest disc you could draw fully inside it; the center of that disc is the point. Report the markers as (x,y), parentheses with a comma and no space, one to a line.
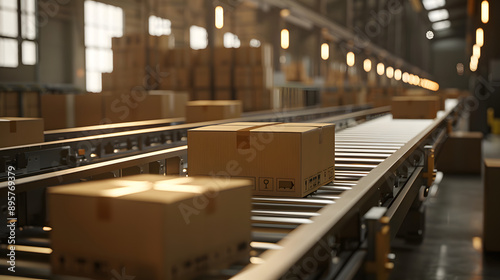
(156,227)
(88,109)
(461,153)
(20,131)
(283,159)
(414,107)
(211,110)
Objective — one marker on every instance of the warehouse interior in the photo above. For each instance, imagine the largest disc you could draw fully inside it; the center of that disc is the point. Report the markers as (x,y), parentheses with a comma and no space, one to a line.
(178,139)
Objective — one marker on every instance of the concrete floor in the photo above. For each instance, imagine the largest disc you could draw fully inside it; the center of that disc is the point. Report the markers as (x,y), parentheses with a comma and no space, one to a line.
(452,248)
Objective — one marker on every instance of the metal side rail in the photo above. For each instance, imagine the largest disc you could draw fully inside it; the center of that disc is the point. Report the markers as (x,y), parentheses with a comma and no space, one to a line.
(63,154)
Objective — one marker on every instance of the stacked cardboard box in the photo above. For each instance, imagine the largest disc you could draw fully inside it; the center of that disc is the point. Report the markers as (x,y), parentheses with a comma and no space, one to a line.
(211,110)
(20,131)
(186,239)
(290,159)
(223,73)
(253,77)
(58,110)
(202,75)
(414,107)
(31,104)
(491,224)
(9,104)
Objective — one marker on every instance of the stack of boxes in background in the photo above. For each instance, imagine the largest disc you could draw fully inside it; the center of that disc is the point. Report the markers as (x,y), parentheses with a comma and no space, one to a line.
(10,101)
(202,75)
(253,77)
(223,61)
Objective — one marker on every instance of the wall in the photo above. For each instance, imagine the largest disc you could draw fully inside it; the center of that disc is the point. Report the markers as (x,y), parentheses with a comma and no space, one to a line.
(447,53)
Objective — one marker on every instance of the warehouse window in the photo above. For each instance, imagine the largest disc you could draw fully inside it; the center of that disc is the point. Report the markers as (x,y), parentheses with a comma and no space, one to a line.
(254,43)
(9,33)
(231,40)
(102,22)
(198,37)
(159,26)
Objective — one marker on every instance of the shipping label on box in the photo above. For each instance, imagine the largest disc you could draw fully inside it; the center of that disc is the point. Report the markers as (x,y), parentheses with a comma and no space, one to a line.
(291,159)
(203,222)
(20,131)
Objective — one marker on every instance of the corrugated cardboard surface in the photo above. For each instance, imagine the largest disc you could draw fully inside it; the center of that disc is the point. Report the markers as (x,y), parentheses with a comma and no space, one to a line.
(57,110)
(20,131)
(88,109)
(491,225)
(461,153)
(150,224)
(210,110)
(9,104)
(282,159)
(414,107)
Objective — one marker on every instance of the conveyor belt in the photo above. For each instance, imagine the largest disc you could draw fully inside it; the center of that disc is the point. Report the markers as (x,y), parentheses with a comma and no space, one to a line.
(361,152)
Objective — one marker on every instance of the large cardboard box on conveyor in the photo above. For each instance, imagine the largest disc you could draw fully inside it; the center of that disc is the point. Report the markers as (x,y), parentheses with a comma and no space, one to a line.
(282,159)
(20,131)
(415,107)
(211,110)
(153,226)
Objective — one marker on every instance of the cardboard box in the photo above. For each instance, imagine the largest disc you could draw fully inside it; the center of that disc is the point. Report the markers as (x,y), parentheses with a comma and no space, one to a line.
(88,109)
(20,131)
(211,110)
(202,77)
(119,106)
(9,104)
(414,107)
(31,104)
(243,77)
(223,56)
(223,76)
(161,104)
(199,223)
(242,56)
(282,159)
(202,57)
(461,153)
(223,94)
(491,223)
(202,94)
(58,111)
